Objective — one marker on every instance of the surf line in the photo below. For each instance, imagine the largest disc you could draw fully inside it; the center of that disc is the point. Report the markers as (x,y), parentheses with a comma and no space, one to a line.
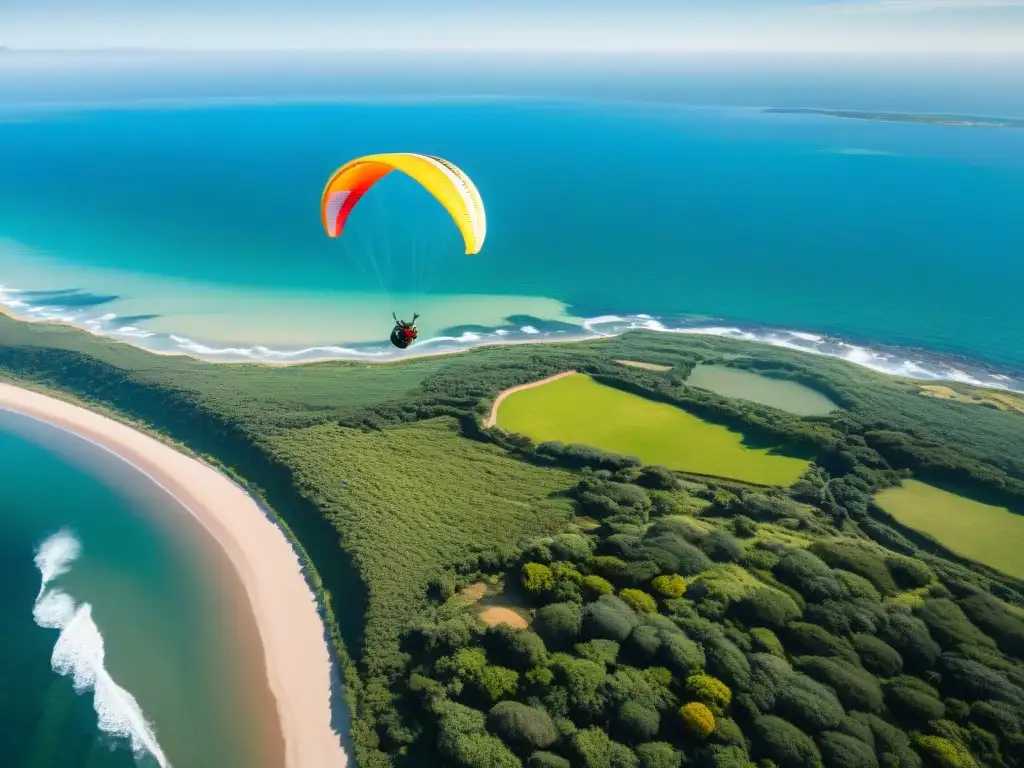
(79,651)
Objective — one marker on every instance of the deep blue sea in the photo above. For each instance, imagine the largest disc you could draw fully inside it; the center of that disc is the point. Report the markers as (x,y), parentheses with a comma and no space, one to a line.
(191,224)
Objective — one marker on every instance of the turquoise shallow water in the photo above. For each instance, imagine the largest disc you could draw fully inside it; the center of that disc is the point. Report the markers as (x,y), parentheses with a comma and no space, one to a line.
(196,229)
(129,657)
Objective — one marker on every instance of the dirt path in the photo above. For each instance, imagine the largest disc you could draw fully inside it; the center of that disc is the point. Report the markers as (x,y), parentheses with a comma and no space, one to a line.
(492,419)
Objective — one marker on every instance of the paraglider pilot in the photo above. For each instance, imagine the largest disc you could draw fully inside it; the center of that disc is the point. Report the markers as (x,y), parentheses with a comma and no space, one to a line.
(404,333)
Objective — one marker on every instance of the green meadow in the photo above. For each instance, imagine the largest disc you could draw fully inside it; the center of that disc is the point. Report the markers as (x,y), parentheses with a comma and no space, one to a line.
(989,534)
(577,409)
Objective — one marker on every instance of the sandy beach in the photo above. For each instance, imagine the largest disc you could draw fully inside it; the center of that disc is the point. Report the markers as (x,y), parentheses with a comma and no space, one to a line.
(290,630)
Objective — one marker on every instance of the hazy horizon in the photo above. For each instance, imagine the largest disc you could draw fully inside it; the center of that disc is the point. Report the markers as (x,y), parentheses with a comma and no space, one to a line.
(989,27)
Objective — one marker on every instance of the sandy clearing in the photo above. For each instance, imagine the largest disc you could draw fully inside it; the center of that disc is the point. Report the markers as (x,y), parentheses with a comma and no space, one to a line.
(495,615)
(291,633)
(492,418)
(645,366)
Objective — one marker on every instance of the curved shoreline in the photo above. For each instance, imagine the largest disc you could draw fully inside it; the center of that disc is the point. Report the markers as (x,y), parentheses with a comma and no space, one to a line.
(492,418)
(271,573)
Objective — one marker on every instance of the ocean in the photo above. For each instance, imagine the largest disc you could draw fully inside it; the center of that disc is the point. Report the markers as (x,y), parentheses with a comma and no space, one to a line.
(192,225)
(120,642)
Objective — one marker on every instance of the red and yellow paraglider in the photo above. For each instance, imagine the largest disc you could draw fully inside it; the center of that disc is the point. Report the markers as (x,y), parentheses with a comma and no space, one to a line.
(453,189)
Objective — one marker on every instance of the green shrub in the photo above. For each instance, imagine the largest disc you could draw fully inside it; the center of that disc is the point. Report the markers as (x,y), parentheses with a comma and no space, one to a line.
(697,719)
(638,600)
(521,726)
(948,624)
(609,618)
(999,717)
(785,744)
(838,749)
(766,641)
(858,587)
(466,663)
(601,651)
(812,640)
(611,568)
(911,704)
(519,649)
(809,575)
(808,704)
(997,622)
(594,586)
(498,682)
(909,573)
(767,676)
(967,679)
(594,749)
(856,689)
(481,750)
(721,547)
(559,624)
(723,756)
(637,723)
(878,657)
(659,754)
(548,760)
(858,559)
(572,546)
(709,690)
(766,608)
(909,635)
(892,745)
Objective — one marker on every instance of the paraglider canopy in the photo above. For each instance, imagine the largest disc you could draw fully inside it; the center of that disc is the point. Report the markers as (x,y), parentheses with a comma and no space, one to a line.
(452,188)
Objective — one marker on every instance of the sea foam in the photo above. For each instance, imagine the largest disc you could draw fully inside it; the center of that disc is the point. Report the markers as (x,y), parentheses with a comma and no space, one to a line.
(79,651)
(897,361)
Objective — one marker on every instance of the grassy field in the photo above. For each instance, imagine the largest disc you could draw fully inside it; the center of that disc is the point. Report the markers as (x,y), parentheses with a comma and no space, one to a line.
(989,534)
(789,396)
(415,499)
(577,409)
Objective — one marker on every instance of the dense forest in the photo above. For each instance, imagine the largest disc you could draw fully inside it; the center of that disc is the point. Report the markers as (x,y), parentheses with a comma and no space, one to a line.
(673,619)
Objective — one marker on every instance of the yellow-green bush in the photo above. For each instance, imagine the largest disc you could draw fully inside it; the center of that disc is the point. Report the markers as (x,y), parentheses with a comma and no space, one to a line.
(710,691)
(945,753)
(638,600)
(537,578)
(670,585)
(595,586)
(698,719)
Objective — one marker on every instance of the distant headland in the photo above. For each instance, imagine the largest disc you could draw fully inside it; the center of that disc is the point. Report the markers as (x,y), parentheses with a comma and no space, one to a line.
(904,117)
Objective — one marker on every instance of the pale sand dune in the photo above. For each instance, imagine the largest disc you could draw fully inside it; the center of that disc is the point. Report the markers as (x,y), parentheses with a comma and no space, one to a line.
(492,419)
(291,632)
(645,366)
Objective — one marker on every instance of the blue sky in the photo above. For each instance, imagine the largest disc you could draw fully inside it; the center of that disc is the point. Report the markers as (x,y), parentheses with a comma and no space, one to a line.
(993,27)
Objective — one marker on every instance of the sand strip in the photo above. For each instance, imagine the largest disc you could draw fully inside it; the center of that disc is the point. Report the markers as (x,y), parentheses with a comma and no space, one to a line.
(492,418)
(290,629)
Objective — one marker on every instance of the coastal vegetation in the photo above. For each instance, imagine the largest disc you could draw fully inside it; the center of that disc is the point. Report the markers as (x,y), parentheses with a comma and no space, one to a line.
(673,618)
(967,121)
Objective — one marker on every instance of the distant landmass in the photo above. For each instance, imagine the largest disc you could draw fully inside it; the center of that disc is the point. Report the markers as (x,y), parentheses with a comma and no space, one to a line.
(903,117)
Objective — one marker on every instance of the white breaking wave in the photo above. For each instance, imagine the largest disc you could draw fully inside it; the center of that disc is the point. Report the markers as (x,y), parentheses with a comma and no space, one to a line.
(917,364)
(913,364)
(79,651)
